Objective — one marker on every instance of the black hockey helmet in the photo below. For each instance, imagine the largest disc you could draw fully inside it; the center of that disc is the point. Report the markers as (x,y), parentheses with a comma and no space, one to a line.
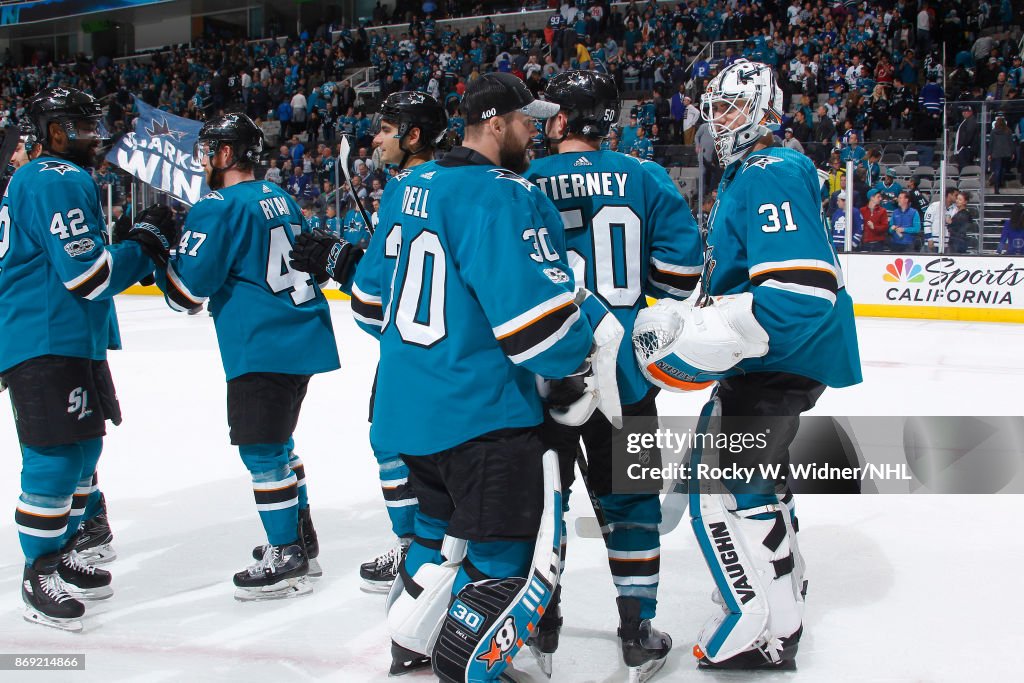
(28,133)
(234,129)
(411,109)
(589,100)
(77,112)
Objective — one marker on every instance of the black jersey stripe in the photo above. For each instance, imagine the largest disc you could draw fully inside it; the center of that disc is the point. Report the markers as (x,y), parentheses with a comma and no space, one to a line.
(808,277)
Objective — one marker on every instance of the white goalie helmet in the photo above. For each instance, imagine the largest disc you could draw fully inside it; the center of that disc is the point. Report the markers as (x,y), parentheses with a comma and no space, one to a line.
(741,105)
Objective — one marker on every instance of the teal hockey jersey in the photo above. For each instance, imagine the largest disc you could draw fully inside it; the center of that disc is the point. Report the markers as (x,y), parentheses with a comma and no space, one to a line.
(57,275)
(465,284)
(768,236)
(629,234)
(234,250)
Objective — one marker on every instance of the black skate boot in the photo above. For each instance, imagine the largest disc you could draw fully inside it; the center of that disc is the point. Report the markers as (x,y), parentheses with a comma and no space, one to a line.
(544,640)
(760,657)
(83,580)
(280,573)
(46,597)
(644,648)
(379,573)
(94,539)
(308,535)
(404,661)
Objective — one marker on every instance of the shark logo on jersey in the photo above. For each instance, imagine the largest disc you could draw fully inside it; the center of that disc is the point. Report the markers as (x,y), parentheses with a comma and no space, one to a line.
(582,161)
(402,174)
(761,162)
(212,195)
(503,174)
(59,167)
(556,275)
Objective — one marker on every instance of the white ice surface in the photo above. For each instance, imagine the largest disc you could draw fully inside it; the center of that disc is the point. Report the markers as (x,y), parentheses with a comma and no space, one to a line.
(902,588)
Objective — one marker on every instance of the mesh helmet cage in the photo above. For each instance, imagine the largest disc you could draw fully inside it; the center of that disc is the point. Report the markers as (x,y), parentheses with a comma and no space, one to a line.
(589,100)
(749,92)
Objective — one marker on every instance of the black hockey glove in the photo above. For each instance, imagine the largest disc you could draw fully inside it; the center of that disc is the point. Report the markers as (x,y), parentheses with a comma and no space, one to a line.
(155,231)
(324,255)
(562,393)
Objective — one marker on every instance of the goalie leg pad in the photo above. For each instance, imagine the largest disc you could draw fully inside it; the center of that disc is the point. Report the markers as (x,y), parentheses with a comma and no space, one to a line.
(750,557)
(417,603)
(490,620)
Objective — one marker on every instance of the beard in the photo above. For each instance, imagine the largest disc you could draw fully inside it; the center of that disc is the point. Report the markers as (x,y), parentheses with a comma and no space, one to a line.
(84,153)
(215,178)
(512,155)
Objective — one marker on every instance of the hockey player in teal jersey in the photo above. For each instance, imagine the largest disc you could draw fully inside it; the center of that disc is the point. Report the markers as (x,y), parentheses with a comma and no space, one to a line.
(602,195)
(57,281)
(773,299)
(471,300)
(407,132)
(234,249)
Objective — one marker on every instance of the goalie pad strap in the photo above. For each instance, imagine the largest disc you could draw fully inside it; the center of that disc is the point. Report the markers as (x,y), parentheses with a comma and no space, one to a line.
(473,572)
(431,543)
(783,566)
(411,587)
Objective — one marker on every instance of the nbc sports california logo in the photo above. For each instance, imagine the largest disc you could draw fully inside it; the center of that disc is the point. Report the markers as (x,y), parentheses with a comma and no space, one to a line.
(952,280)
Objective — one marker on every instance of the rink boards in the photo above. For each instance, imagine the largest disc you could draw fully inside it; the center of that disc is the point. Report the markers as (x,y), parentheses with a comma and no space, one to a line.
(930,286)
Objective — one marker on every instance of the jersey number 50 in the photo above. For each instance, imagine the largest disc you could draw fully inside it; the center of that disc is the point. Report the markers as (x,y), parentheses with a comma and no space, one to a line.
(616,234)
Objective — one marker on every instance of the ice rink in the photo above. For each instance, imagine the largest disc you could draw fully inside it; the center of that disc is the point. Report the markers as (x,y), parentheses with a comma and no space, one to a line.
(902,588)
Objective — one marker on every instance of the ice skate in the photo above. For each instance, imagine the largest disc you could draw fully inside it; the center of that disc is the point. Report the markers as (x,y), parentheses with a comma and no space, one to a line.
(544,640)
(312,546)
(83,580)
(405,661)
(378,574)
(94,539)
(644,648)
(46,597)
(280,573)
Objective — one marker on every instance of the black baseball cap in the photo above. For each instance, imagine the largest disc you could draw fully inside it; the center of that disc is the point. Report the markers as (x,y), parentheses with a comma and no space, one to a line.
(498,93)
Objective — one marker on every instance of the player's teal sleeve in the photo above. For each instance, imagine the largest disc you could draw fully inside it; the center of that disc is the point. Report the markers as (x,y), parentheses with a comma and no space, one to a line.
(790,261)
(203,259)
(529,299)
(676,251)
(68,205)
(365,288)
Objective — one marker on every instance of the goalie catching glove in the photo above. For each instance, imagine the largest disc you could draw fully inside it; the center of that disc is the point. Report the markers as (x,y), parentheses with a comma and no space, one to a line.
(571,401)
(682,347)
(324,255)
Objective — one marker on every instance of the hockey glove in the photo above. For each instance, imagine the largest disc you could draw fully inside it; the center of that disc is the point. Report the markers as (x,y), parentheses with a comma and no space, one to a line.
(571,401)
(324,255)
(681,347)
(154,230)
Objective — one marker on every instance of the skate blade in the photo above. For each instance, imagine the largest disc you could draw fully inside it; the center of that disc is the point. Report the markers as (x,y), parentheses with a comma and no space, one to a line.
(375,586)
(288,588)
(403,668)
(99,593)
(784,665)
(101,554)
(315,570)
(33,616)
(544,659)
(644,672)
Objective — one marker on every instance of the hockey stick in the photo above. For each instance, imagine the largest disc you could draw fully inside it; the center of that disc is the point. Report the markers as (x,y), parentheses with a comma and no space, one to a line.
(584,525)
(343,154)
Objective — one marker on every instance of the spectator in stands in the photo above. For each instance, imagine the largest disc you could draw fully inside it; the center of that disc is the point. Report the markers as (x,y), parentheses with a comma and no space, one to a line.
(823,136)
(905,226)
(889,188)
(297,183)
(790,142)
(939,210)
(1012,239)
(839,225)
(628,135)
(642,147)
(852,151)
(836,175)
(968,138)
(691,120)
(874,167)
(273,174)
(875,222)
(1000,151)
(918,200)
(677,107)
(960,224)
(308,214)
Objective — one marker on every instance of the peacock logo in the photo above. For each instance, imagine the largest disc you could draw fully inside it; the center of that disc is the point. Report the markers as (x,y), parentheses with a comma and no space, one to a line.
(903,270)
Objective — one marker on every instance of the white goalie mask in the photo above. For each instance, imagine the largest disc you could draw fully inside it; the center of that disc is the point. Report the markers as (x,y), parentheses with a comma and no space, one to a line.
(741,105)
